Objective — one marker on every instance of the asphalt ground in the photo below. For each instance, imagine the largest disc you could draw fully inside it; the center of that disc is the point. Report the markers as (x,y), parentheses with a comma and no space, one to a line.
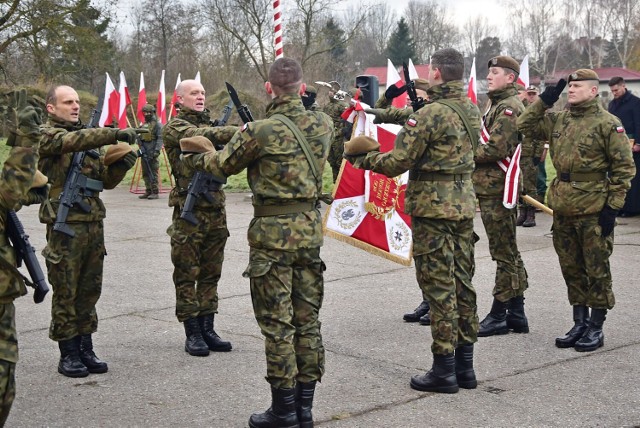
(371,353)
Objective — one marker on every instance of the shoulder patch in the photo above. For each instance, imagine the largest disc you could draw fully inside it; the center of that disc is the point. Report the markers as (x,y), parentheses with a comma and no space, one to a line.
(620,129)
(412,122)
(244,127)
(508,112)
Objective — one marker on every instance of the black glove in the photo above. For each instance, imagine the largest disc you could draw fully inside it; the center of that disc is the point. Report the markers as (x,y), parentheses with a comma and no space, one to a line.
(551,94)
(128,135)
(536,161)
(607,220)
(393,91)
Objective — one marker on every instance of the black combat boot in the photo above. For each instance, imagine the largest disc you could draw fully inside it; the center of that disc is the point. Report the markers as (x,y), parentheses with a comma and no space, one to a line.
(281,414)
(530,221)
(581,322)
(593,338)
(425,319)
(441,377)
(522,215)
(417,313)
(496,321)
(210,336)
(516,319)
(89,358)
(195,344)
(464,367)
(304,403)
(145,195)
(70,364)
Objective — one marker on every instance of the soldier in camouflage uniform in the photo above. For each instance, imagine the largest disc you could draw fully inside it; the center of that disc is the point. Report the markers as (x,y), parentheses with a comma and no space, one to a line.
(436,146)
(386,113)
(594,163)
(152,144)
(309,99)
(285,236)
(197,250)
(334,109)
(74,263)
(499,121)
(530,158)
(17,178)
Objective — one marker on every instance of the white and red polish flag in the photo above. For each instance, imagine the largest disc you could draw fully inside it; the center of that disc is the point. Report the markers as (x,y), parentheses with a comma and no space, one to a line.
(174,98)
(510,165)
(368,208)
(109,103)
(162,101)
(142,99)
(123,101)
(413,73)
(472,89)
(523,78)
(393,78)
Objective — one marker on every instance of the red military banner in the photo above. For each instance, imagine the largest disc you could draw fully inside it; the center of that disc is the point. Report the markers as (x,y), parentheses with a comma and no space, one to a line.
(368,208)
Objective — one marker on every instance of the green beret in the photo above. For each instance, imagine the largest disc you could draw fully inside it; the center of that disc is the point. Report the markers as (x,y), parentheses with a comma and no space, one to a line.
(504,62)
(421,84)
(583,74)
(116,152)
(196,144)
(360,145)
(311,89)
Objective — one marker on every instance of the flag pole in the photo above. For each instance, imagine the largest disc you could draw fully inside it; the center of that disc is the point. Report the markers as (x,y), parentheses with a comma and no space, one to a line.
(277,21)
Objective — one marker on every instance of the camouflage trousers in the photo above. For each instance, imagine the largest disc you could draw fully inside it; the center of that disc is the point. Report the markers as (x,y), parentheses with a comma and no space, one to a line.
(530,178)
(584,259)
(7,388)
(542,180)
(150,185)
(74,266)
(500,226)
(197,253)
(444,255)
(335,156)
(287,289)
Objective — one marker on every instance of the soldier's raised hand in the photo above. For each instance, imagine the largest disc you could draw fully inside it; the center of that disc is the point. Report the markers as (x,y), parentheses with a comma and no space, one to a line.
(22,118)
(551,94)
(127,135)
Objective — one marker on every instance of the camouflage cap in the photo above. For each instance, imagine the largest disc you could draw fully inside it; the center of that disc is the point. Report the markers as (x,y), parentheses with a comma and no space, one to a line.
(196,144)
(116,152)
(583,74)
(360,145)
(532,89)
(39,180)
(422,84)
(148,108)
(504,61)
(311,89)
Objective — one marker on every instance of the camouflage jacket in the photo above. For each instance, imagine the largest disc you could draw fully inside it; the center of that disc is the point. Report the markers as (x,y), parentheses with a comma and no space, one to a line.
(584,140)
(500,122)
(189,123)
(435,145)
(334,109)
(153,140)
(278,172)
(385,112)
(16,179)
(60,140)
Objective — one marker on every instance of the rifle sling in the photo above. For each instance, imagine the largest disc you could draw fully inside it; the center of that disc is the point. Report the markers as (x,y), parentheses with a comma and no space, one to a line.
(304,144)
(465,120)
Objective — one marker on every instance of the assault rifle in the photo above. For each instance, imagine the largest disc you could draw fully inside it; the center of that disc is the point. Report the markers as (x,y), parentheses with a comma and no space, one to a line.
(77,185)
(24,251)
(416,102)
(202,182)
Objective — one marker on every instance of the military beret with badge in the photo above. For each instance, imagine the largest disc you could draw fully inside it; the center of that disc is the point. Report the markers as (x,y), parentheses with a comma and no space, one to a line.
(504,61)
(583,74)
(360,145)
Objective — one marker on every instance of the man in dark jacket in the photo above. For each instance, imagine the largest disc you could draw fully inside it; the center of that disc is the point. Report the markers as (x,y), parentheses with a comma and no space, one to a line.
(626,107)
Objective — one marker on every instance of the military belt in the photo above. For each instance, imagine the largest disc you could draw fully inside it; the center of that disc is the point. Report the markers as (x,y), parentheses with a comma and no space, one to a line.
(582,176)
(437,176)
(273,210)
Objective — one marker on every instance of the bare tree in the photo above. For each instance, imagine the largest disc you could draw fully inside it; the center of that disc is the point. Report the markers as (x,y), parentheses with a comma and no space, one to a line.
(474,30)
(625,37)
(431,27)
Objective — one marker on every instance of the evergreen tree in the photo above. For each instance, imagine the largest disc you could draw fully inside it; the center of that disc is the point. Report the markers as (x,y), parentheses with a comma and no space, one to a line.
(487,49)
(400,47)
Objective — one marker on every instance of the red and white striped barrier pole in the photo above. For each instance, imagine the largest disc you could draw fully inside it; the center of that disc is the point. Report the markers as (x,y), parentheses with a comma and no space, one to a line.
(277,20)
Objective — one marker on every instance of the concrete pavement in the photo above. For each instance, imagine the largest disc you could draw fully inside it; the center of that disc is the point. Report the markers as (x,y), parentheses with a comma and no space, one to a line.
(524,380)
